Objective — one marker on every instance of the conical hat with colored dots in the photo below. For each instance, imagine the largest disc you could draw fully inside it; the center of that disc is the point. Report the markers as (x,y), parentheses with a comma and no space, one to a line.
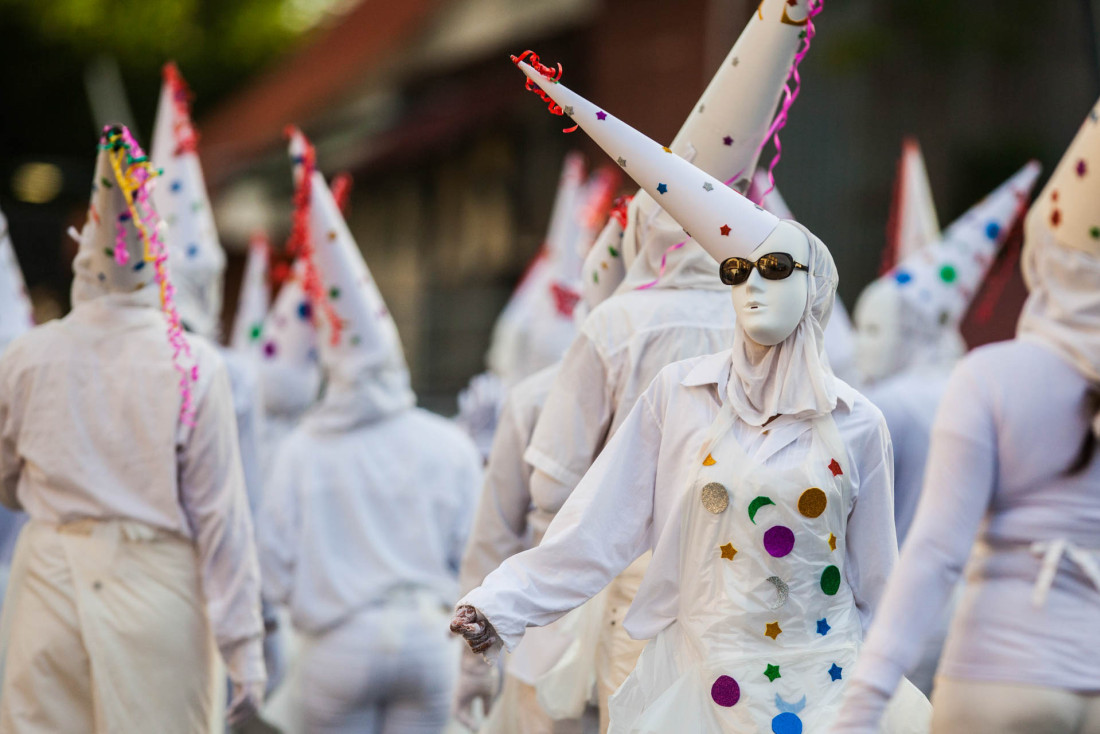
(562,239)
(913,222)
(100,267)
(942,278)
(16,315)
(603,266)
(196,259)
(366,337)
(723,221)
(723,133)
(254,298)
(289,368)
(1070,202)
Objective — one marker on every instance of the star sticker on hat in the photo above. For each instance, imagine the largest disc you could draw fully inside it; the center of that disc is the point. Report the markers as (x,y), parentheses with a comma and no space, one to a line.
(727,140)
(1082,167)
(621,161)
(725,230)
(662,188)
(568,110)
(708,186)
(601,115)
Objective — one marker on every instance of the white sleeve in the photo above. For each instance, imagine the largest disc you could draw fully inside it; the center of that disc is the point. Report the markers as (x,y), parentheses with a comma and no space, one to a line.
(576,417)
(958,488)
(604,525)
(500,520)
(871,543)
(213,497)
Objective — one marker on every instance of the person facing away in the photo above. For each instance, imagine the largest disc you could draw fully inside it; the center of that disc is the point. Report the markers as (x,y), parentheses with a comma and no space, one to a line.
(138,564)
(367,509)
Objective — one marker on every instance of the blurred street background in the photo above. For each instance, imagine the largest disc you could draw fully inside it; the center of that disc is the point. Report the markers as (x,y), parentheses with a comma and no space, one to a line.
(455,165)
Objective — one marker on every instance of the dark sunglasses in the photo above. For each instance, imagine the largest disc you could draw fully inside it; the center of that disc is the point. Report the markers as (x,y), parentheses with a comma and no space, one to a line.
(773,266)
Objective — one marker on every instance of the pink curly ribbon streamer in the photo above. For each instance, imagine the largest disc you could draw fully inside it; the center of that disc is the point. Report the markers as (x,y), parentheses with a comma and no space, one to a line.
(664,263)
(789,96)
(122,255)
(134,175)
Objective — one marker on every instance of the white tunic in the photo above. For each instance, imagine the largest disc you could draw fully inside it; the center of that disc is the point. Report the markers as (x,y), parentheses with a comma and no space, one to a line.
(357,510)
(628,503)
(89,429)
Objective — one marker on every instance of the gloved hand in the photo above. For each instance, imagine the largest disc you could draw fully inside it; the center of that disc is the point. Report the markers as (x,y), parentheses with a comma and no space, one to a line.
(244,702)
(475,628)
(477,680)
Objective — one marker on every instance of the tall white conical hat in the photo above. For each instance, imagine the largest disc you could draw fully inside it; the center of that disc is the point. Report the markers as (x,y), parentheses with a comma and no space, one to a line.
(198,261)
(724,132)
(913,222)
(604,268)
(357,332)
(290,372)
(724,222)
(941,279)
(562,239)
(254,298)
(16,315)
(1069,205)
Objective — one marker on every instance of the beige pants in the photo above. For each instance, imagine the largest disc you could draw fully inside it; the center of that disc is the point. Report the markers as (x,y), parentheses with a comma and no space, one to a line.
(978,707)
(108,634)
(517,711)
(617,653)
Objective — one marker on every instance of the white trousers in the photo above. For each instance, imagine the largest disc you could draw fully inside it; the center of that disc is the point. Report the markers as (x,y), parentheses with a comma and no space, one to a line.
(978,707)
(387,670)
(107,634)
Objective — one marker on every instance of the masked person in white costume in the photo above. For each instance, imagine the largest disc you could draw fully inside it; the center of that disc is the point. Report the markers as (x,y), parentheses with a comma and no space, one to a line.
(760,482)
(908,323)
(669,306)
(506,522)
(1013,466)
(367,509)
(139,554)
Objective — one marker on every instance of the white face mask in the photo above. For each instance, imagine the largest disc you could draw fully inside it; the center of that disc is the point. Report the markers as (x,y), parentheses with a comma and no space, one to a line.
(878,332)
(769,310)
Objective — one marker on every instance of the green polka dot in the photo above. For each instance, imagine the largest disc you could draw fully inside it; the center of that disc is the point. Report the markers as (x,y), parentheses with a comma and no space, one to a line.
(355,340)
(334,293)
(948,274)
(613,251)
(109,252)
(1095,233)
(595,277)
(830,580)
(255,332)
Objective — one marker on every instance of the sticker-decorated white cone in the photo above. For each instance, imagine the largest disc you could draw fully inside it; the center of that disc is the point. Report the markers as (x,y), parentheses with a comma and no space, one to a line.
(290,370)
(1069,205)
(16,315)
(724,132)
(942,278)
(197,258)
(254,299)
(724,222)
(913,222)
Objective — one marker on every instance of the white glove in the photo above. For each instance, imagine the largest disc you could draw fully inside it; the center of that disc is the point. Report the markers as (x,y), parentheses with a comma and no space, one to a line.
(477,680)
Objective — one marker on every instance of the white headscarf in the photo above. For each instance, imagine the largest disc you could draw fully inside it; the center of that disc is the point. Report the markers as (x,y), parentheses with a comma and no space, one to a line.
(793,377)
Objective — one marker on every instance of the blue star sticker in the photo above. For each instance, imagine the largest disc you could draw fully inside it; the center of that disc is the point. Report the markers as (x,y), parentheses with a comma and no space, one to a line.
(823,627)
(835,672)
(177,185)
(661,188)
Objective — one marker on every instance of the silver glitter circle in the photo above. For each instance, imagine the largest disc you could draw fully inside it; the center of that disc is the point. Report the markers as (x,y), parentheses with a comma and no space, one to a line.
(715,498)
(782,592)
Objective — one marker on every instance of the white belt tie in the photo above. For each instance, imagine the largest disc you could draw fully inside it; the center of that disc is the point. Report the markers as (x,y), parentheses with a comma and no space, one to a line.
(1051,552)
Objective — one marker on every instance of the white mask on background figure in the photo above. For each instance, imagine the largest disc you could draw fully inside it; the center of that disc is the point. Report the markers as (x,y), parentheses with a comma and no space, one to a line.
(769,310)
(878,332)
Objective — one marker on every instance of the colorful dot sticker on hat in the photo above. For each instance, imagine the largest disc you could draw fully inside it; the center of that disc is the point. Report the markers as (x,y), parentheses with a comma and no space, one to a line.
(305,310)
(830,580)
(992,230)
(902,277)
(725,692)
(778,541)
(812,503)
(269,349)
(948,274)
(255,332)
(601,115)
(1094,232)
(715,498)
(727,140)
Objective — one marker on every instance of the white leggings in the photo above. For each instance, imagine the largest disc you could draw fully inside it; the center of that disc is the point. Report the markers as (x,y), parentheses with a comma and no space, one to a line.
(978,707)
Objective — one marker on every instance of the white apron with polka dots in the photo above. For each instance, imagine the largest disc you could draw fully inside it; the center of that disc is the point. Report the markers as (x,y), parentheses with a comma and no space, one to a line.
(767,627)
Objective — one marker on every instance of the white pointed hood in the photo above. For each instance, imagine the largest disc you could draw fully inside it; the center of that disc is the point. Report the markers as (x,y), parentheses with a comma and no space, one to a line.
(16,315)
(198,261)
(723,222)
(290,371)
(360,349)
(254,298)
(913,222)
(1061,259)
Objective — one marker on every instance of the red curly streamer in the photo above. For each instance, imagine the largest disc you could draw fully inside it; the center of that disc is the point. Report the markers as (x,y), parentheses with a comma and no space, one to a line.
(300,243)
(187,137)
(554,75)
(618,209)
(341,187)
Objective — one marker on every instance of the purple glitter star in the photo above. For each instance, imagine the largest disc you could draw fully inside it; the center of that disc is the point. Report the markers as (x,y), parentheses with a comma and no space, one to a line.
(601,115)
(727,140)
(1082,167)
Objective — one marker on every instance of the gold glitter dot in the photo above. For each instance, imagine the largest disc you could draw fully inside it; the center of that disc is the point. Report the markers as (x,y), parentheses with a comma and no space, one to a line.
(715,498)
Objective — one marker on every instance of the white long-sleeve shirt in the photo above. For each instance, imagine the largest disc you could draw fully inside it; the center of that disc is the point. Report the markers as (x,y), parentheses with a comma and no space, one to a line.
(629,502)
(90,428)
(1010,425)
(355,511)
